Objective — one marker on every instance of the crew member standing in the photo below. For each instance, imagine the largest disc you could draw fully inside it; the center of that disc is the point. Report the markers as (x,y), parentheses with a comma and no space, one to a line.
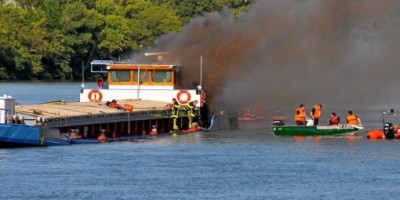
(175,113)
(191,112)
(316,113)
(300,115)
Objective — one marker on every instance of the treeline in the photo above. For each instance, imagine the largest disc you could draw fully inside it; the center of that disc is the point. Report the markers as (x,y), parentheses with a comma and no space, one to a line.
(50,39)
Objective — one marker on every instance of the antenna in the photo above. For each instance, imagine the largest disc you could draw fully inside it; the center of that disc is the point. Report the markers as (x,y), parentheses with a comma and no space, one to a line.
(201,70)
(83,74)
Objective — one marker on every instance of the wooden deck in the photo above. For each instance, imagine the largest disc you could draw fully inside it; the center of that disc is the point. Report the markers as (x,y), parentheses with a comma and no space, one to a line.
(69,109)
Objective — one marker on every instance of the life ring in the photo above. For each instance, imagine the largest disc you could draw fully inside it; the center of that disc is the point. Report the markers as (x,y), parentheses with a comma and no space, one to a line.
(95,96)
(183,96)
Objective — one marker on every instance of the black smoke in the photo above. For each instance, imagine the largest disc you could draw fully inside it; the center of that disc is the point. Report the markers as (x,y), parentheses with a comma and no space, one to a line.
(291,52)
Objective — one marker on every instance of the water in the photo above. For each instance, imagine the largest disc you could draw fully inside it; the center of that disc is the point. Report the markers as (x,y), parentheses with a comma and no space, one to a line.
(39,92)
(243,164)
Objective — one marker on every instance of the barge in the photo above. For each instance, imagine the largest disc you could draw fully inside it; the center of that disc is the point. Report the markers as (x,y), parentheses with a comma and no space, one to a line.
(61,123)
(133,101)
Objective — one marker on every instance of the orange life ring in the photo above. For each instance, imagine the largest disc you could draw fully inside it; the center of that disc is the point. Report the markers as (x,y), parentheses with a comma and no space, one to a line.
(183,93)
(95,96)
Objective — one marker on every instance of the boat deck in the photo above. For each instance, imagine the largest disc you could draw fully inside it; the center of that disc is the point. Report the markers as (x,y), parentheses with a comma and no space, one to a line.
(68,109)
(62,114)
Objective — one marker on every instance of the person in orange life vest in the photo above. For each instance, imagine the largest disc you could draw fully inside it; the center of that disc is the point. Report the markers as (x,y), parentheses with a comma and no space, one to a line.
(112,104)
(316,113)
(352,119)
(334,119)
(300,115)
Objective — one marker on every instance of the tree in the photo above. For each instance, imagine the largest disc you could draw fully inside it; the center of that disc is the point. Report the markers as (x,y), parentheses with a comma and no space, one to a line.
(188,9)
(48,39)
(133,24)
(71,33)
(21,43)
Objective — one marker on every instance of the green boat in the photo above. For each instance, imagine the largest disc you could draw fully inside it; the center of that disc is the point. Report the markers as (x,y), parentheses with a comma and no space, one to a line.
(316,130)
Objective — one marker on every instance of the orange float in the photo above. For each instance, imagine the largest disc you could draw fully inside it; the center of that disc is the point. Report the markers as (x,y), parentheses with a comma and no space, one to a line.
(183,96)
(128,107)
(376,135)
(95,96)
(153,132)
(102,138)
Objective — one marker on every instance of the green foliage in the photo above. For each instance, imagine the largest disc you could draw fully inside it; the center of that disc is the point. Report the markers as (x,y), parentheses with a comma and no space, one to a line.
(49,39)
(187,9)
(21,43)
(132,24)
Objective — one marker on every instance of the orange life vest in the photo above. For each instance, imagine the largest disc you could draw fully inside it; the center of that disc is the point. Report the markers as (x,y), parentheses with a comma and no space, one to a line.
(317,112)
(114,105)
(300,114)
(352,119)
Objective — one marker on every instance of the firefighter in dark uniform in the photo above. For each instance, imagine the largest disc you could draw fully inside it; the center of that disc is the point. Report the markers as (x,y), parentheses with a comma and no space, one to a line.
(191,112)
(175,113)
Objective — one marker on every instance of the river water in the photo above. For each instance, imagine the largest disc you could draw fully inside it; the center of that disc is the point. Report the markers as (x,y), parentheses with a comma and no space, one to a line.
(249,163)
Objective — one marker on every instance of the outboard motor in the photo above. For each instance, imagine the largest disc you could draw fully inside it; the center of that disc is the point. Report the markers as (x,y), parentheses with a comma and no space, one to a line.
(388,130)
(278,123)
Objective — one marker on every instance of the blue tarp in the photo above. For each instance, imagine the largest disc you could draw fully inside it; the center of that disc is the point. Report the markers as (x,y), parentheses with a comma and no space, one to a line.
(20,133)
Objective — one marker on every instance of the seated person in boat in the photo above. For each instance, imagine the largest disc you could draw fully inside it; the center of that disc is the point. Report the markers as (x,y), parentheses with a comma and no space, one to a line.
(352,119)
(335,120)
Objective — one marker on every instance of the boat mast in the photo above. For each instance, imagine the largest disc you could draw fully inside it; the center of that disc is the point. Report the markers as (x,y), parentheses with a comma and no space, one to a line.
(138,80)
(201,70)
(83,75)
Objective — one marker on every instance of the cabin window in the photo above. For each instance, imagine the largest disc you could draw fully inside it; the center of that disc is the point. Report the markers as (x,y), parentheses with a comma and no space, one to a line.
(161,76)
(143,77)
(120,76)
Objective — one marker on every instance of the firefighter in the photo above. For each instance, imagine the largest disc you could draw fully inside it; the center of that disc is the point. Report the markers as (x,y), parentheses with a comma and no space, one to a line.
(175,113)
(191,112)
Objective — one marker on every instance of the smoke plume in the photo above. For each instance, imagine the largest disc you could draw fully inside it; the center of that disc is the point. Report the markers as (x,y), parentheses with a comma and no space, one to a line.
(291,52)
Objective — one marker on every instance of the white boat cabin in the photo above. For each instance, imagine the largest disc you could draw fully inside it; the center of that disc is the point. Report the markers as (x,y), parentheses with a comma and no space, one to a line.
(138,81)
(7,108)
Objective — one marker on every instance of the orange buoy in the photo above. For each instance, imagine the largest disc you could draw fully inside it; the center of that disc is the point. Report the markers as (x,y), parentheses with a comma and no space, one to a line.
(376,135)
(183,96)
(102,138)
(153,130)
(95,96)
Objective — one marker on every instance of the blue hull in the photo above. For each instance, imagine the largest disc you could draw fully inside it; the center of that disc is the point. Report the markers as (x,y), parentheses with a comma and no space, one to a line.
(19,135)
